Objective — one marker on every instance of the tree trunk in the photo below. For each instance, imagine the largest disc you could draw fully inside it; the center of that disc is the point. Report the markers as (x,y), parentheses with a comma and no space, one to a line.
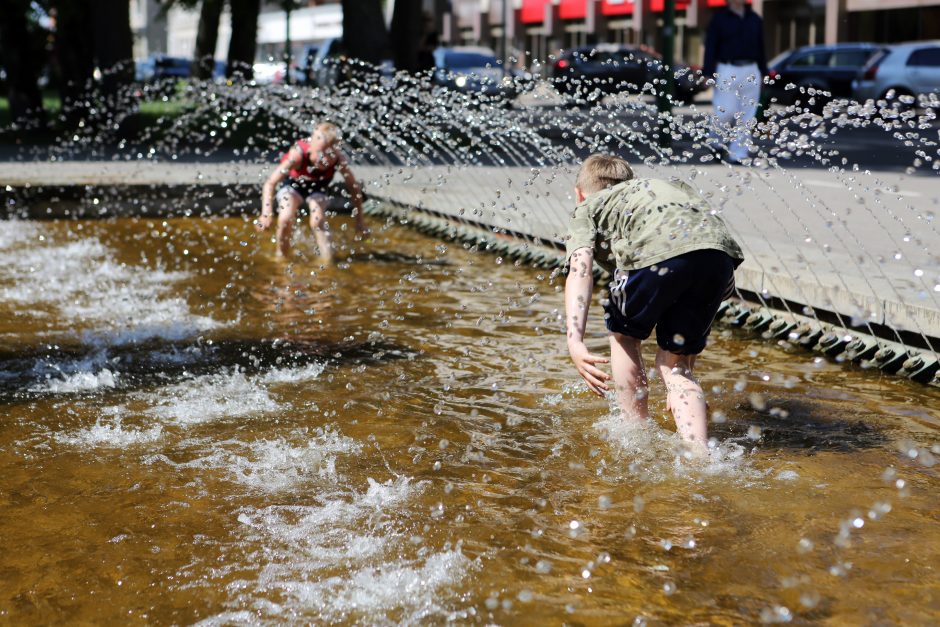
(18,55)
(206,38)
(114,44)
(407,33)
(241,49)
(364,34)
(75,56)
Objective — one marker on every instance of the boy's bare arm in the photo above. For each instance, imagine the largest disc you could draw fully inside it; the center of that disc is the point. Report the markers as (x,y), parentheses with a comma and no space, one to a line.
(355,194)
(578,288)
(270,185)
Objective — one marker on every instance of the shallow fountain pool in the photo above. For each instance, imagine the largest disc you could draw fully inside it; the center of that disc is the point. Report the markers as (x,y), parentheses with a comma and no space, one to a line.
(196,432)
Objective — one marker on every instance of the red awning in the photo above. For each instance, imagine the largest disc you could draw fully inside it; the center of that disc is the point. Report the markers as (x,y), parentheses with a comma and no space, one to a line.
(617,7)
(572,9)
(660,5)
(625,7)
(533,11)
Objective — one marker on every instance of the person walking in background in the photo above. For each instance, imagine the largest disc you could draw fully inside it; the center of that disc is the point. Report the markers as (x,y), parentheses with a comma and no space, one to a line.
(735,59)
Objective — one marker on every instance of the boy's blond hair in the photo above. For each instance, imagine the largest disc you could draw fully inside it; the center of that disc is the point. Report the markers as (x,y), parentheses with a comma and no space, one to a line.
(330,131)
(602,171)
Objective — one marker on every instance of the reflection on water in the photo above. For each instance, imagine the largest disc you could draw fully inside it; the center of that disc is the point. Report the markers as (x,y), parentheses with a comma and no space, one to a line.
(195,432)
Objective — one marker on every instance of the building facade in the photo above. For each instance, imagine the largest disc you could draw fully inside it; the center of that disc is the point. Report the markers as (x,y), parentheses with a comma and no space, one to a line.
(538,29)
(535,30)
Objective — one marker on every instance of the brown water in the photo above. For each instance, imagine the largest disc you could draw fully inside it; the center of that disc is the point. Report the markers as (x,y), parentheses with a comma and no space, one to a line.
(195,432)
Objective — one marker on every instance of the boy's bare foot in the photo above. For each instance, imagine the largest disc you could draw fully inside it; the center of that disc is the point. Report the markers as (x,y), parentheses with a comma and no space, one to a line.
(693,449)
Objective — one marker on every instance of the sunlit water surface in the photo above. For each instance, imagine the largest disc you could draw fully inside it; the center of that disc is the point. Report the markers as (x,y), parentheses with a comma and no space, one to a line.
(196,432)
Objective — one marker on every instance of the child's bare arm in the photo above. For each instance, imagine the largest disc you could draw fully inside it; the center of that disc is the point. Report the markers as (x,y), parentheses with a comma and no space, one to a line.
(270,185)
(578,288)
(355,194)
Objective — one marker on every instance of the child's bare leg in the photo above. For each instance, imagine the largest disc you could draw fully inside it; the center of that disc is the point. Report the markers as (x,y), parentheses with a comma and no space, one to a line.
(685,396)
(288,204)
(320,228)
(626,365)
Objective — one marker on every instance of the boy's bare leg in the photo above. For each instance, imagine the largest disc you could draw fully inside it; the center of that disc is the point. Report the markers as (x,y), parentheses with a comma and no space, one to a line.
(320,228)
(632,388)
(685,396)
(288,204)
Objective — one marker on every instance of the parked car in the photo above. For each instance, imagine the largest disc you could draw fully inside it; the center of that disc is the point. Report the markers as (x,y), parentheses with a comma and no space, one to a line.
(473,70)
(829,69)
(594,71)
(900,72)
(267,73)
(332,65)
(160,66)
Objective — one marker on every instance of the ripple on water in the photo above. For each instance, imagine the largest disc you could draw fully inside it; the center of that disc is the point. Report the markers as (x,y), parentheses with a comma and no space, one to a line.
(76,277)
(15,232)
(293,375)
(77,382)
(210,397)
(357,534)
(223,395)
(279,464)
(662,455)
(109,434)
(411,587)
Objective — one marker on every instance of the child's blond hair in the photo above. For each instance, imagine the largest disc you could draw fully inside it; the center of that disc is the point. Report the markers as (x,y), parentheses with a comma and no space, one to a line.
(601,171)
(330,132)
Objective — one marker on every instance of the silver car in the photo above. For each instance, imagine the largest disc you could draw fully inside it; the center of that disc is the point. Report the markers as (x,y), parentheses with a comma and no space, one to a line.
(900,72)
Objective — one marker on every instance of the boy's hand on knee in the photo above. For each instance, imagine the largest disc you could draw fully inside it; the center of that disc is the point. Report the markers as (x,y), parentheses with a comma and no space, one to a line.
(585,362)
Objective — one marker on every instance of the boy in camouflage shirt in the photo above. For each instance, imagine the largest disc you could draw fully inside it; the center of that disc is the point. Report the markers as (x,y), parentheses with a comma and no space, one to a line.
(672,261)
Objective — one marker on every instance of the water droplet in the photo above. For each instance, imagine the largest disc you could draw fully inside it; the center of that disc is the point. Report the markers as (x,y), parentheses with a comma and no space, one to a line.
(757,401)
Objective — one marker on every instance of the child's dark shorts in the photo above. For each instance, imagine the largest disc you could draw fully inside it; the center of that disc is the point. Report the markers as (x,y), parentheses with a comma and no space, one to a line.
(678,296)
(306,189)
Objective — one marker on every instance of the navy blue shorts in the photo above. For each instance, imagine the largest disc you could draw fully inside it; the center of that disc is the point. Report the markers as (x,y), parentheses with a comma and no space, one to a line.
(678,296)
(306,189)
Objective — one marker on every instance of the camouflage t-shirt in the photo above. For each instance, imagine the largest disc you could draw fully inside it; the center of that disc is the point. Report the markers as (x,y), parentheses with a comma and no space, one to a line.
(641,222)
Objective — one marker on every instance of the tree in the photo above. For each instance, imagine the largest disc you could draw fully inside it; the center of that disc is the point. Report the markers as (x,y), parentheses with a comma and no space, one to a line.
(207,38)
(406,34)
(114,44)
(18,53)
(92,34)
(364,34)
(74,51)
(241,49)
